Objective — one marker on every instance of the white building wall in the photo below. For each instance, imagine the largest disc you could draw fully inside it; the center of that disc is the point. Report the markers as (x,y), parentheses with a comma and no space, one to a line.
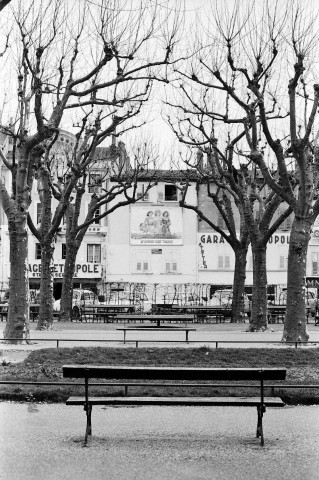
(140,256)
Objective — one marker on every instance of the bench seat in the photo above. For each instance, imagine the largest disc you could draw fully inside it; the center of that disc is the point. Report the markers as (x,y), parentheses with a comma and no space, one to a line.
(182,401)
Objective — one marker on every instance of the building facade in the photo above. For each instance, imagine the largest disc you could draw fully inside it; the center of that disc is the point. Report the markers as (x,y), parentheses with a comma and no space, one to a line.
(152,250)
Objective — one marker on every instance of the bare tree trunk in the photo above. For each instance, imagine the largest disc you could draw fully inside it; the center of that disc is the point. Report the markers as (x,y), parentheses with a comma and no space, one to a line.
(239,284)
(18,315)
(296,305)
(45,321)
(67,286)
(259,310)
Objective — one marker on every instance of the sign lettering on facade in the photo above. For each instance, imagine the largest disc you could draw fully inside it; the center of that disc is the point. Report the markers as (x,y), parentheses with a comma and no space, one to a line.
(88,270)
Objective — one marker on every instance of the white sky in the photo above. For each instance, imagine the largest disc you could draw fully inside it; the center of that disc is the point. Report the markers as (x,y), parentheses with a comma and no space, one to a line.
(156,127)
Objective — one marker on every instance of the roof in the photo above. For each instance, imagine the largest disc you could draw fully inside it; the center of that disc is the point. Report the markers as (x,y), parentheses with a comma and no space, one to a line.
(166,175)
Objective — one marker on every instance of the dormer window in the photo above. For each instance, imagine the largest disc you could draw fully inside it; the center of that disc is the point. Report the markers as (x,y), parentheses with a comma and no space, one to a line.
(170,193)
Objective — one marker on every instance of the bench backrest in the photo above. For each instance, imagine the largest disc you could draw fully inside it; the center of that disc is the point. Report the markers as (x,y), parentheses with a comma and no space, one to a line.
(172,373)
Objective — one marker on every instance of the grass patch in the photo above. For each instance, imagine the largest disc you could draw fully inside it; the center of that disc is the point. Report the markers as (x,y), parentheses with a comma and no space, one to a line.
(46,366)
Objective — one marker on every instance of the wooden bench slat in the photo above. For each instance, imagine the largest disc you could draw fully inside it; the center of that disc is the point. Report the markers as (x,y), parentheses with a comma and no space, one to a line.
(172,373)
(186,401)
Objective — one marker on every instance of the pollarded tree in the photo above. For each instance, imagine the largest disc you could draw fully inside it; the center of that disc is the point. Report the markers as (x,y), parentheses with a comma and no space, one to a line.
(237,188)
(212,176)
(74,58)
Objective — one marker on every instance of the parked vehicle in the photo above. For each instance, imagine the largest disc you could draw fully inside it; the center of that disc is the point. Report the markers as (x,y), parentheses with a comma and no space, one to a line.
(224,298)
(80,299)
(312,302)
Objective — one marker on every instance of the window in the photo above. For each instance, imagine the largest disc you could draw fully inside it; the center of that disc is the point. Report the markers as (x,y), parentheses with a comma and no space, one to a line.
(140,192)
(39,212)
(314,263)
(282,262)
(94,253)
(63,251)
(142,266)
(286,224)
(141,262)
(223,262)
(37,251)
(95,182)
(170,193)
(171,262)
(96,214)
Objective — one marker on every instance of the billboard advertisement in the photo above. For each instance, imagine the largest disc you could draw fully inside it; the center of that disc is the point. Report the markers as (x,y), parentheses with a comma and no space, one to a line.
(156,225)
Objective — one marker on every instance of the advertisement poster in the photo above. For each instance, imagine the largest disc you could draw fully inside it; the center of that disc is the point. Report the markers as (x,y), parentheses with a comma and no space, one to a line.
(155,225)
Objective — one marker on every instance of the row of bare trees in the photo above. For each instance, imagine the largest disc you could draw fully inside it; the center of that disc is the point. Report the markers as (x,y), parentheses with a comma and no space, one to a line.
(242,99)
(248,100)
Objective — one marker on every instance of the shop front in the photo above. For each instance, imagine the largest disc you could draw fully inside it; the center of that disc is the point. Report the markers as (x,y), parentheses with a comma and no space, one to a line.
(87,275)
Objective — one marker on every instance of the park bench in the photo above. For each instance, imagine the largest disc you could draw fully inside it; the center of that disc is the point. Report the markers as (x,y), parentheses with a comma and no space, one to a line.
(276,313)
(159,328)
(198,375)
(99,313)
(158,319)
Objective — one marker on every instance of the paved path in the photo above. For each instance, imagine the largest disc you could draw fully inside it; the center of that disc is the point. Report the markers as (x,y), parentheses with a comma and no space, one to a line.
(41,441)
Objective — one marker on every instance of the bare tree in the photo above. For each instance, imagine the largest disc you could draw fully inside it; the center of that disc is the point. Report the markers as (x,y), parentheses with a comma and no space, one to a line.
(100,61)
(238,188)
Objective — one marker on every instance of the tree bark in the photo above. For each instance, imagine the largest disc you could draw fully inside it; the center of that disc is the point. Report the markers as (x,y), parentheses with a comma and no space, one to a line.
(239,284)
(258,319)
(45,321)
(295,327)
(67,286)
(18,315)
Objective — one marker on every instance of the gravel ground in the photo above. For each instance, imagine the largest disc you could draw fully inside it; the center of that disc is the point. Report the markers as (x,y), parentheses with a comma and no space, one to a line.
(157,443)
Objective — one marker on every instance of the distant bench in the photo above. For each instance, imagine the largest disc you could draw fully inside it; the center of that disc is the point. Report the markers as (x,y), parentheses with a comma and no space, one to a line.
(197,375)
(158,319)
(157,329)
(276,313)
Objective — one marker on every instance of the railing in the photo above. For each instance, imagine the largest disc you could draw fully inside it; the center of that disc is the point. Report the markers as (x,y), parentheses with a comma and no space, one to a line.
(126,385)
(137,342)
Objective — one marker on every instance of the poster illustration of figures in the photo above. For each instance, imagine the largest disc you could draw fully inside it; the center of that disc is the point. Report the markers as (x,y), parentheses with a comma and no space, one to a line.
(156,225)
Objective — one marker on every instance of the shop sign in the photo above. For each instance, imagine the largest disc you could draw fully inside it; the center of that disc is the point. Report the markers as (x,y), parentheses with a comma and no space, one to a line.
(87,270)
(312,282)
(217,238)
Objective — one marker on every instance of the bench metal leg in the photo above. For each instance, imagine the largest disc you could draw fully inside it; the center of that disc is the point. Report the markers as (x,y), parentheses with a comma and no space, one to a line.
(260,433)
(88,431)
